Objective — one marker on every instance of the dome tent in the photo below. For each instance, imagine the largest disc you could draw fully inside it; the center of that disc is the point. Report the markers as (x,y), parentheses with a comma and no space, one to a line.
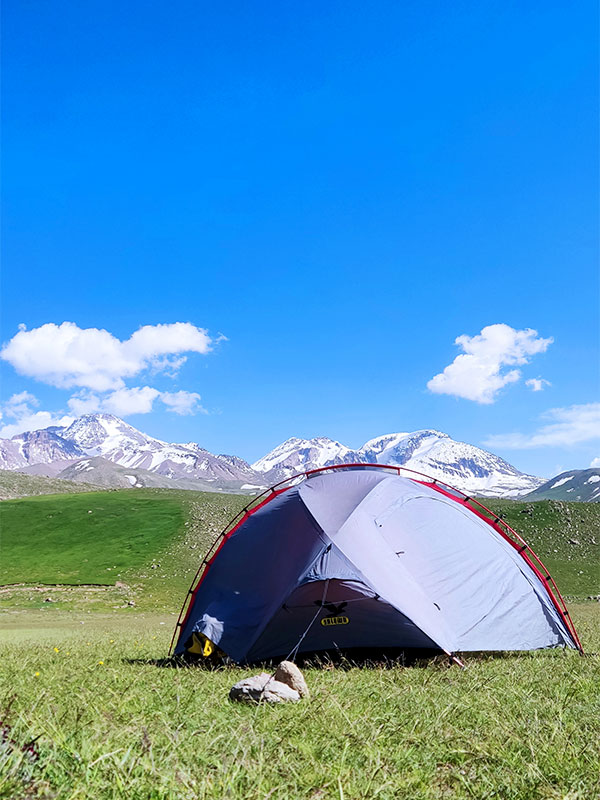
(370,557)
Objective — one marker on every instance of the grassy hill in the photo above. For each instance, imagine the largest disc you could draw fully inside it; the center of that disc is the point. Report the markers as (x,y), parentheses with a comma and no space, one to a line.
(16,484)
(152,540)
(81,538)
(566,536)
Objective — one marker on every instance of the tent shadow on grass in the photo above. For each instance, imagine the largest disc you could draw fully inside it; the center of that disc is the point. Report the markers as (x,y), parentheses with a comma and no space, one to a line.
(337,660)
(357,658)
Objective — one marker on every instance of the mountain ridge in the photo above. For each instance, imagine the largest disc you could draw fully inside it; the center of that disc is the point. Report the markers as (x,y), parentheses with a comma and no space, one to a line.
(110,439)
(428,451)
(579,485)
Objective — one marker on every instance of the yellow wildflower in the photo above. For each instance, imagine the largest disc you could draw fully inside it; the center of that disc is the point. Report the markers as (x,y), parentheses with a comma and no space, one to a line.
(56,650)
(100,663)
(36,675)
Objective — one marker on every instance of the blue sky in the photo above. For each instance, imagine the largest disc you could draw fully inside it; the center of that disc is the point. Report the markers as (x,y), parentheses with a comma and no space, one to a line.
(334,192)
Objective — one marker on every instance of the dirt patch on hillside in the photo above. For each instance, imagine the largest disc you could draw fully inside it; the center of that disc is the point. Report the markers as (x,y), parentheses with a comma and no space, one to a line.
(119,595)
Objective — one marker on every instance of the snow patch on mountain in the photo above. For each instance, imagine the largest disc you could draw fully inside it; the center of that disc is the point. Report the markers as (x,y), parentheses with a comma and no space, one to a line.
(562,481)
(36,447)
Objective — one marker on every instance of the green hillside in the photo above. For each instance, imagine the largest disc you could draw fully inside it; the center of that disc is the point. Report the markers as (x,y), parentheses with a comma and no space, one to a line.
(83,539)
(152,540)
(17,484)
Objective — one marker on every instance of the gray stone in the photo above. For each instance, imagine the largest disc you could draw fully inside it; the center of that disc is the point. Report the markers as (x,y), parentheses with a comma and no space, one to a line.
(263,688)
(287,672)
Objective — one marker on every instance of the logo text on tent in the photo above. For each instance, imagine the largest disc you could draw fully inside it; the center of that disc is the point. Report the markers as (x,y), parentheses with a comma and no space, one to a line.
(335,621)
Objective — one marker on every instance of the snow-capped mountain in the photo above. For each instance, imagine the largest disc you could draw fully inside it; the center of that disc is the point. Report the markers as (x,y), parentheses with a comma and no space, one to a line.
(435,454)
(298,455)
(461,465)
(107,437)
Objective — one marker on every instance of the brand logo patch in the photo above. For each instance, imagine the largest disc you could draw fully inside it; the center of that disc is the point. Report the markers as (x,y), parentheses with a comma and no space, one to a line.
(334,621)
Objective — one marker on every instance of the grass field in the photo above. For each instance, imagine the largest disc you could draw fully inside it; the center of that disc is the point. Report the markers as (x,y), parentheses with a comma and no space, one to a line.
(61,529)
(111,722)
(84,676)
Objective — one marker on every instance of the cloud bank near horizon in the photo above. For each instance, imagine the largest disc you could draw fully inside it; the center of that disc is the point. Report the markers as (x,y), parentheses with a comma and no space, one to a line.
(19,413)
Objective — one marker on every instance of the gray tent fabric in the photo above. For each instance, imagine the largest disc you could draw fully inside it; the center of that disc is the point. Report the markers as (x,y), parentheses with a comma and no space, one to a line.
(361,558)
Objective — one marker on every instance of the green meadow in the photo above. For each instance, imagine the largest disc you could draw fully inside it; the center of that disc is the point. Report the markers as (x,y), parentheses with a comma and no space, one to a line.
(150,541)
(90,708)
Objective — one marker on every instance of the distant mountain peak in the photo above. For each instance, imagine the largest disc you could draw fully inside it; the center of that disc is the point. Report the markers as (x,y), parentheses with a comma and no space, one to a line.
(582,485)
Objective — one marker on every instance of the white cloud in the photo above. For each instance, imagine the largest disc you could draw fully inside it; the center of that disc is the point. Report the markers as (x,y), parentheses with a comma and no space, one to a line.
(476,374)
(168,365)
(67,356)
(537,384)
(595,462)
(84,402)
(565,426)
(20,404)
(97,364)
(137,400)
(20,409)
(182,403)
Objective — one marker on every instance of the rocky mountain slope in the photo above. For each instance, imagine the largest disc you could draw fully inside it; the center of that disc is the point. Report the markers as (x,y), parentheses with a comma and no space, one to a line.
(15,484)
(101,472)
(582,485)
(37,447)
(102,440)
